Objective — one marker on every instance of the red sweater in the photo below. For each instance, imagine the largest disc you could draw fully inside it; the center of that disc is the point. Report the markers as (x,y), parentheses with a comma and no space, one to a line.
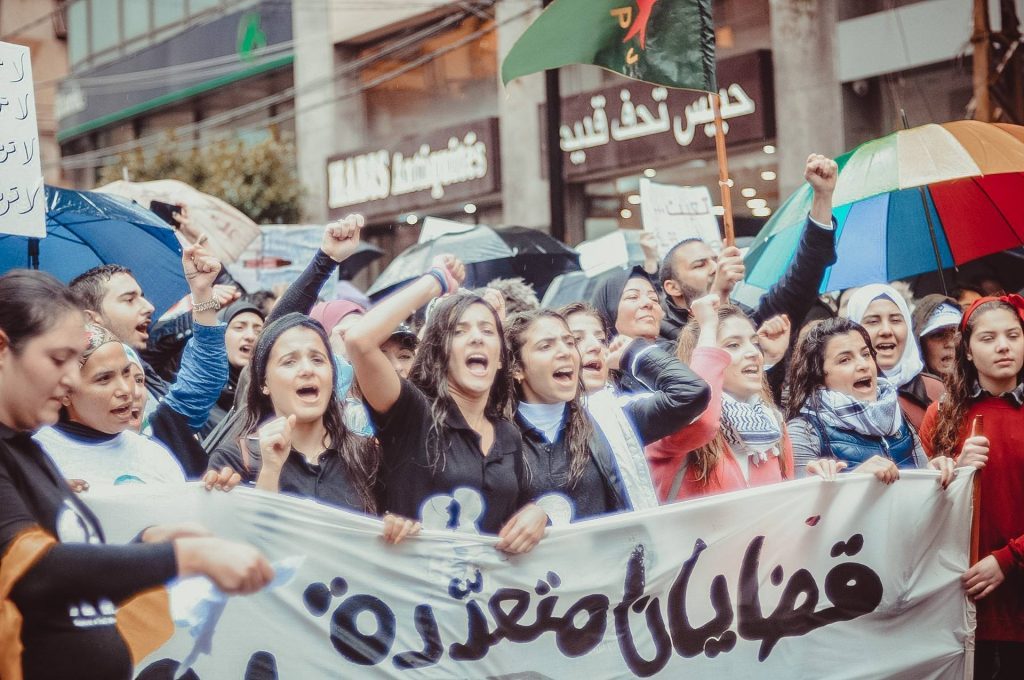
(666,455)
(1001,614)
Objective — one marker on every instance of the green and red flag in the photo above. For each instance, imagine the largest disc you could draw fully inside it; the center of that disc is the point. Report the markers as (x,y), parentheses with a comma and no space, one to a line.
(666,42)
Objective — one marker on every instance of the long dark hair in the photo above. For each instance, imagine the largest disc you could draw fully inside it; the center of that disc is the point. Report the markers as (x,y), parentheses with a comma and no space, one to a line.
(706,457)
(807,368)
(578,429)
(429,371)
(960,382)
(31,303)
(358,453)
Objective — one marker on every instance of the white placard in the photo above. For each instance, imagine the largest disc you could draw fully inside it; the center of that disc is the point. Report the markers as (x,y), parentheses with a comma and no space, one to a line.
(436,226)
(676,213)
(799,580)
(22,198)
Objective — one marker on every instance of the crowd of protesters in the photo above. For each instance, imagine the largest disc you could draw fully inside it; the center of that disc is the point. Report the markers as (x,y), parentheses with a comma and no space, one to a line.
(659,388)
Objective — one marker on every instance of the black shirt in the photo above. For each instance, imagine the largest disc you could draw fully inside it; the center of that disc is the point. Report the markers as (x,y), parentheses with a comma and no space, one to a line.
(547,471)
(409,479)
(68,597)
(329,480)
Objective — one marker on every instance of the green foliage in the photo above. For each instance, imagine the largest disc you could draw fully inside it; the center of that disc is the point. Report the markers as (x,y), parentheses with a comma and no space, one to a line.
(257,178)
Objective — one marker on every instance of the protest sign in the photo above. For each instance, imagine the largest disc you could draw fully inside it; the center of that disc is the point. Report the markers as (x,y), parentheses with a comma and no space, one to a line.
(22,203)
(436,226)
(278,255)
(675,213)
(806,579)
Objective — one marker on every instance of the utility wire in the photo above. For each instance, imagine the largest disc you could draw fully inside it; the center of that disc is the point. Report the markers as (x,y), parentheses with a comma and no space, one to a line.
(100,157)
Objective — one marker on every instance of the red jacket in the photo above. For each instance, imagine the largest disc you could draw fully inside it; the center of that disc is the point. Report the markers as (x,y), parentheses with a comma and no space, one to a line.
(667,455)
(1001,613)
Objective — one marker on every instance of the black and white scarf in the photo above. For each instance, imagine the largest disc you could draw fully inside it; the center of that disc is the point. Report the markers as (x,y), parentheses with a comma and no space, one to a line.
(880,418)
(752,427)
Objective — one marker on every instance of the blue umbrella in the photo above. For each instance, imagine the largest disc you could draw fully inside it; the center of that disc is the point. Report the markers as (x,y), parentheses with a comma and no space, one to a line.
(86,229)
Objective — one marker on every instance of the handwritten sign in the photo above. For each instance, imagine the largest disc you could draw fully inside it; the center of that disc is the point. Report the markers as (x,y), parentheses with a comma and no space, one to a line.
(22,203)
(676,213)
(706,588)
(436,226)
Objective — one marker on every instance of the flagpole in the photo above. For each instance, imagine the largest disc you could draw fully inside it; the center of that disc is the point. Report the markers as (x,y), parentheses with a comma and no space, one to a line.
(724,182)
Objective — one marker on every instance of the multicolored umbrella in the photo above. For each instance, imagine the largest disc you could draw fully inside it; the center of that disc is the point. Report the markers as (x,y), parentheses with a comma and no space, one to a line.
(971,175)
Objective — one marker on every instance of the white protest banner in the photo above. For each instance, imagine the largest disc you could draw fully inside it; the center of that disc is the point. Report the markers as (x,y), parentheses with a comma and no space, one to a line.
(675,213)
(805,579)
(22,201)
(278,255)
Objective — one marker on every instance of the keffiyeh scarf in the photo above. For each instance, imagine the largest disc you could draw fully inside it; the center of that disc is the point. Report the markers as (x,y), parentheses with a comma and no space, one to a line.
(881,418)
(751,426)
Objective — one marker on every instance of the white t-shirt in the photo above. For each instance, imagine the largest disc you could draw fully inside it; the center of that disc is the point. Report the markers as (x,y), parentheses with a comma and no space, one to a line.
(128,458)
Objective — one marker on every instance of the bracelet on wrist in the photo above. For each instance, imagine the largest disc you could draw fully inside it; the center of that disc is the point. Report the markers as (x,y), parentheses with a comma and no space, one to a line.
(440,277)
(211,304)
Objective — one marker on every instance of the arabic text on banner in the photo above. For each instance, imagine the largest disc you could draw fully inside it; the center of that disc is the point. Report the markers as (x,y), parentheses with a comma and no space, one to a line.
(807,579)
(676,213)
(22,203)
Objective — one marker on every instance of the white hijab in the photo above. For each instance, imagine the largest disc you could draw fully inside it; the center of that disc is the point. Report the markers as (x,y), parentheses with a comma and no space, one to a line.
(910,363)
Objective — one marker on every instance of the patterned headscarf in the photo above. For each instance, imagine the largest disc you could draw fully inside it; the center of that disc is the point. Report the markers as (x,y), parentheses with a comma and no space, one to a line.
(97,337)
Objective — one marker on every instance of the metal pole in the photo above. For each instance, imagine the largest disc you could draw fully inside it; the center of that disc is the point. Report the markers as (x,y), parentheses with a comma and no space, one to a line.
(556,175)
(928,218)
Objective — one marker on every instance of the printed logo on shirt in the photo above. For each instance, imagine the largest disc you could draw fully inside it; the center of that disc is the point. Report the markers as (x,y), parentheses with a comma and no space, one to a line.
(127,479)
(73,527)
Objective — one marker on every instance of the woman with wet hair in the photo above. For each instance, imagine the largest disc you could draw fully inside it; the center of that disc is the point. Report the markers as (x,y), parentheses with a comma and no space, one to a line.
(63,584)
(987,382)
(841,408)
(93,441)
(884,314)
(445,433)
(740,441)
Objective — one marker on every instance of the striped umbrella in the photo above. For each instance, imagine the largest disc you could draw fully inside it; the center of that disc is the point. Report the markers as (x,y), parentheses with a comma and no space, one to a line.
(968,175)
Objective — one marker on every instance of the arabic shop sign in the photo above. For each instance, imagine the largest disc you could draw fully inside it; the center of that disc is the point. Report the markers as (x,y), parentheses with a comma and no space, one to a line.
(445,166)
(639,123)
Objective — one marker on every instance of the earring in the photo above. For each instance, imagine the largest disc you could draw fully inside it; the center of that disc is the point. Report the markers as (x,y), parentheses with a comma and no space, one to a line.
(266,390)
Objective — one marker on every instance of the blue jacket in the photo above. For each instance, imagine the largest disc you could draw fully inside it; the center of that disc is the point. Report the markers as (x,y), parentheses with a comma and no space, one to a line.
(852,447)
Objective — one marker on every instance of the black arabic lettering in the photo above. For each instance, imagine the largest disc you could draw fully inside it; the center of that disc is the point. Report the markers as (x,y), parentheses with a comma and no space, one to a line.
(353,644)
(30,151)
(633,598)
(30,204)
(714,636)
(23,105)
(854,589)
(426,626)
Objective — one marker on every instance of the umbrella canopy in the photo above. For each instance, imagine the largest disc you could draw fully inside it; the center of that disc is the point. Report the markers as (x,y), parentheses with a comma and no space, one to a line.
(358,261)
(971,175)
(85,229)
(488,254)
(229,229)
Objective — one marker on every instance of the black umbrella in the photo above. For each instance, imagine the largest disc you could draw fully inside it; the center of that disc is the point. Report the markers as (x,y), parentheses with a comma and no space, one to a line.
(488,254)
(358,261)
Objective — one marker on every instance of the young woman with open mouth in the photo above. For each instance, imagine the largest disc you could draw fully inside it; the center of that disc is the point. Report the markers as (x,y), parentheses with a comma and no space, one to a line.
(740,441)
(674,395)
(884,314)
(93,441)
(447,427)
(840,408)
(296,441)
(988,381)
(63,584)
(936,319)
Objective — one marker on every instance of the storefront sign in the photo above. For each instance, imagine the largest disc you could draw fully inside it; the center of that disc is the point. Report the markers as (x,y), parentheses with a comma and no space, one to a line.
(444,166)
(637,123)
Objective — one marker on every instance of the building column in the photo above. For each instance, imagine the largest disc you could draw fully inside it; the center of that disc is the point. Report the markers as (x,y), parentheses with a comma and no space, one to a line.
(808,96)
(524,191)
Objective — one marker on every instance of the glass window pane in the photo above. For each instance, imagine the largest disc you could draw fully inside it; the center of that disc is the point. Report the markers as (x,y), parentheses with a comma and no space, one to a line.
(106,24)
(78,31)
(136,18)
(168,12)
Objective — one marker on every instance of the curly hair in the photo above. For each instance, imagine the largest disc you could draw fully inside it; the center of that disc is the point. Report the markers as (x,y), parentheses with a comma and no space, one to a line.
(705,458)
(519,295)
(578,429)
(429,372)
(807,369)
(358,453)
(955,403)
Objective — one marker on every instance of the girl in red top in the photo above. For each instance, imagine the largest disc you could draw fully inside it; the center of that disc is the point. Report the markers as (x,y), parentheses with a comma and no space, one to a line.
(987,381)
(740,441)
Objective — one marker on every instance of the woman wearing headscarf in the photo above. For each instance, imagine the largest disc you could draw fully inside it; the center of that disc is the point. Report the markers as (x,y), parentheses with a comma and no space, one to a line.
(884,314)
(630,306)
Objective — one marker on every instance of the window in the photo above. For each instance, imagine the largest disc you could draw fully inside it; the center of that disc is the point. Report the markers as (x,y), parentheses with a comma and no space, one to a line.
(78,31)
(105,24)
(168,12)
(136,18)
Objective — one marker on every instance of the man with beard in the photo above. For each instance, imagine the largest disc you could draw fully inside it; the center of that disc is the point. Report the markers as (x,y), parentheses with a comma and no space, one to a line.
(691,270)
